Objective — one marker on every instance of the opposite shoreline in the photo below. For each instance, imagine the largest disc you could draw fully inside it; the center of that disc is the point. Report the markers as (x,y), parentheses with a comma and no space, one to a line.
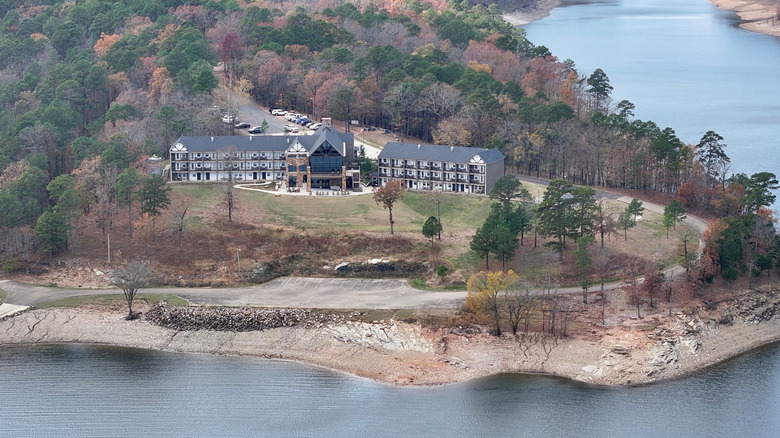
(760,16)
(635,352)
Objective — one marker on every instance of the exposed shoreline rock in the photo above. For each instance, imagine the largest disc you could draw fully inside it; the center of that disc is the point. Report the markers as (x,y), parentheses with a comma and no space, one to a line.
(761,16)
(408,354)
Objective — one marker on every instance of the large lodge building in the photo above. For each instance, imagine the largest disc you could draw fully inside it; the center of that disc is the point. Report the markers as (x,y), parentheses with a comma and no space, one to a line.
(319,161)
(446,168)
(325,160)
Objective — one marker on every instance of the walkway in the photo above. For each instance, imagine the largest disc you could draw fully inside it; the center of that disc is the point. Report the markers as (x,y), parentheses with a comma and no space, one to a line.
(317,293)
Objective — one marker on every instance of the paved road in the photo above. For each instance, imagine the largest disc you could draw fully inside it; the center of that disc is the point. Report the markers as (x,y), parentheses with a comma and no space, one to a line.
(326,293)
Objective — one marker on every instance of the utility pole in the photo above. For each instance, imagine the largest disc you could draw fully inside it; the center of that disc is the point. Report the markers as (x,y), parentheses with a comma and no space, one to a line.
(437,199)
(238,261)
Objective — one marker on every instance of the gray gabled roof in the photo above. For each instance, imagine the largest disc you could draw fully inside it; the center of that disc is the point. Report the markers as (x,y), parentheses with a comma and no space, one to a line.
(491,155)
(238,143)
(335,138)
(434,152)
(269,143)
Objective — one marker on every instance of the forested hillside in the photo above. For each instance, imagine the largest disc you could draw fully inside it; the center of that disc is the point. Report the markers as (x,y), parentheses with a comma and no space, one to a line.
(88,88)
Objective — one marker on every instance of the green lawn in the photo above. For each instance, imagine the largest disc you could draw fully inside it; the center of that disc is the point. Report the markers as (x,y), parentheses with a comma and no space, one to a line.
(172,300)
(458,212)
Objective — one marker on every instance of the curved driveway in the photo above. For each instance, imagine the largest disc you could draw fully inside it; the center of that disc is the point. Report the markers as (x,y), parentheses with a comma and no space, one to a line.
(325,293)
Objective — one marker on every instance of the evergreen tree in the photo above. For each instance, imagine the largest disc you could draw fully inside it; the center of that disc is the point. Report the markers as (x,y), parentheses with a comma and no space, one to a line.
(431,228)
(154,196)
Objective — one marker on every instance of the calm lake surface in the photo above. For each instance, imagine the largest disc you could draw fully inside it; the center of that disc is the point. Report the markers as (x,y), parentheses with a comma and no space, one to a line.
(80,390)
(684,64)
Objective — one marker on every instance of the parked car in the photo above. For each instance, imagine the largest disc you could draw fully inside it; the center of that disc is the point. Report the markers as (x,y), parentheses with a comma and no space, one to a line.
(242,125)
(291,117)
(315,126)
(256,130)
(278,112)
(292,128)
(302,121)
(229,119)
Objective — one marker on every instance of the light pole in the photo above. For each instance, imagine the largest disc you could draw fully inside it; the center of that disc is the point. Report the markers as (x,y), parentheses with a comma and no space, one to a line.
(238,261)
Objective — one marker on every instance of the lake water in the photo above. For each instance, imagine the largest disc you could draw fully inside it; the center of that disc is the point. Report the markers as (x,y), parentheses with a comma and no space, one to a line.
(80,390)
(684,64)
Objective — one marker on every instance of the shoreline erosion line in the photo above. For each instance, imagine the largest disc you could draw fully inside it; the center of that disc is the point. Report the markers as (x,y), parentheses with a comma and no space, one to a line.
(760,16)
(407,354)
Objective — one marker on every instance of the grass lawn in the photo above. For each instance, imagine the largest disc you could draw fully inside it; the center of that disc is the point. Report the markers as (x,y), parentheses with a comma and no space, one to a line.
(172,300)
(359,213)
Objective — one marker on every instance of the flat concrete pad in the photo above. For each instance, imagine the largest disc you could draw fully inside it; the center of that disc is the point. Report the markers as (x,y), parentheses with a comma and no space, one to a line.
(10,309)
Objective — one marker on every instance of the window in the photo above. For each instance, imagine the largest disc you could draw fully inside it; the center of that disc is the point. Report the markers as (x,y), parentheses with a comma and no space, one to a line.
(291,168)
(326,159)
(302,168)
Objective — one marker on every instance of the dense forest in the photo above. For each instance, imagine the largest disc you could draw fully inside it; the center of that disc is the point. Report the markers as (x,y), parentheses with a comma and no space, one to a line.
(89,88)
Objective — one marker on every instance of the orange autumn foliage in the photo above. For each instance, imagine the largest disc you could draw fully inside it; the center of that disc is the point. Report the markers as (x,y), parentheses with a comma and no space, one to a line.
(477,67)
(104,43)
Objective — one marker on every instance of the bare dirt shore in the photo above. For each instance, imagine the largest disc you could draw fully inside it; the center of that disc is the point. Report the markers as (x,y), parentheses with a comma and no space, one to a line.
(635,351)
(529,11)
(762,16)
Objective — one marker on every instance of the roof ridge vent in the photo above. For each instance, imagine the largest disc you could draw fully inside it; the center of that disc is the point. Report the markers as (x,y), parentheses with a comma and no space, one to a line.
(418,146)
(212,138)
(452,148)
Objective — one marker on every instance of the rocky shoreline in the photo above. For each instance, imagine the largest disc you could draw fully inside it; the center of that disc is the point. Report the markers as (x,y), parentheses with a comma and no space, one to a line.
(527,12)
(633,352)
(761,16)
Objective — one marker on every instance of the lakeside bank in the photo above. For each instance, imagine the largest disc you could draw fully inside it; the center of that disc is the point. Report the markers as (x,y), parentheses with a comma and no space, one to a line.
(632,352)
(760,16)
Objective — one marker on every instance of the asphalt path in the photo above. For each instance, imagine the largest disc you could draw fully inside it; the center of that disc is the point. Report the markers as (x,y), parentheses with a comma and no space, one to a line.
(304,292)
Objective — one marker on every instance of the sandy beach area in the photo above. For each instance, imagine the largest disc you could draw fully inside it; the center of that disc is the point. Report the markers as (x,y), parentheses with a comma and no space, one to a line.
(762,16)
(635,351)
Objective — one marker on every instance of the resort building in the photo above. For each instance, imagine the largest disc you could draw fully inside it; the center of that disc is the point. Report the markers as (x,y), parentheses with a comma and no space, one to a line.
(322,160)
(437,167)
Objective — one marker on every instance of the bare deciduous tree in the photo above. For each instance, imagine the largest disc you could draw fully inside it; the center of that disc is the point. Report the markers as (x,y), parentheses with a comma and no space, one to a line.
(388,195)
(130,278)
(601,260)
(180,205)
(518,302)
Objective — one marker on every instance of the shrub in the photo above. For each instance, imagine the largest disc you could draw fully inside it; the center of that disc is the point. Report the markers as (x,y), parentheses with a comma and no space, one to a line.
(11,264)
(730,274)
(442,270)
